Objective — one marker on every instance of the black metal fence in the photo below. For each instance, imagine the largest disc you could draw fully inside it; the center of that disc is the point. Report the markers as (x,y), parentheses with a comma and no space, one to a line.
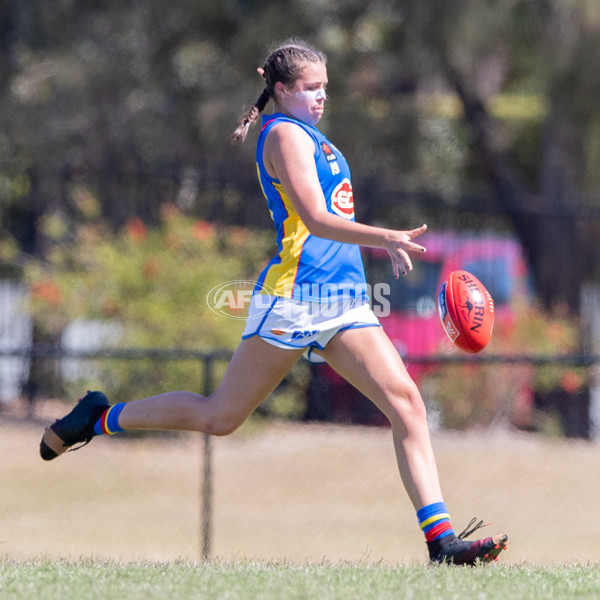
(308,393)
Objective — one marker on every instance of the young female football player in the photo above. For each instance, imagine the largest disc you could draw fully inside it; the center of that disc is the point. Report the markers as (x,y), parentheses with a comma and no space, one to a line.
(311,298)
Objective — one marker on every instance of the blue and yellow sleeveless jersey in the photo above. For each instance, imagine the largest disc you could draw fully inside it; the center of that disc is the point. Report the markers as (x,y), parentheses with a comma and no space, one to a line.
(307,267)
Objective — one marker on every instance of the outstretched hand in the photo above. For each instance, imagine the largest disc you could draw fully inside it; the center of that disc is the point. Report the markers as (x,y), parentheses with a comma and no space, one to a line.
(399,244)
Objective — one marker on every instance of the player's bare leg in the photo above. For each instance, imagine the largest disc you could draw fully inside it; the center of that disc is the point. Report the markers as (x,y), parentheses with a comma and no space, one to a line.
(253,373)
(367,359)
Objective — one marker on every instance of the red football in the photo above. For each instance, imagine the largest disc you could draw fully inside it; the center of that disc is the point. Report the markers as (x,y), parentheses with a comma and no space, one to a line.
(467,311)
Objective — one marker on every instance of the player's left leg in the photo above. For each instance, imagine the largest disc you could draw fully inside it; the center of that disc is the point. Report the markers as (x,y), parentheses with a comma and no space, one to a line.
(368,360)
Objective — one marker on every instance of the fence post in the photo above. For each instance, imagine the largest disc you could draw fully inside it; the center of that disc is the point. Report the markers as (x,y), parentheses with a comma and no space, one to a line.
(207,477)
(590,331)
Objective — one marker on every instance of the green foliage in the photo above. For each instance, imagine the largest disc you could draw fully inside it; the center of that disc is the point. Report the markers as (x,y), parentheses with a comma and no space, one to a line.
(153,282)
(133,103)
(151,286)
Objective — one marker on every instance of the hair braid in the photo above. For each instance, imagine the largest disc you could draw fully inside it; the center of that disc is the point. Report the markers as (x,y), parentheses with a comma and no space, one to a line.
(250,117)
(284,64)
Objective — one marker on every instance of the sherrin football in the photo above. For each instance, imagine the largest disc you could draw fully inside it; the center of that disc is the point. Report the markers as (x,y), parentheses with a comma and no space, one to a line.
(467,311)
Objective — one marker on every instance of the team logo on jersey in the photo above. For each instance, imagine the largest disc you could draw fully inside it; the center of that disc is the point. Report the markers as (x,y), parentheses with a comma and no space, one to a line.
(328,152)
(342,200)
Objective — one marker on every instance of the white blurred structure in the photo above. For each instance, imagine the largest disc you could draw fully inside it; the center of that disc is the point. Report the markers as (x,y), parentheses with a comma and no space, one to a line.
(15,335)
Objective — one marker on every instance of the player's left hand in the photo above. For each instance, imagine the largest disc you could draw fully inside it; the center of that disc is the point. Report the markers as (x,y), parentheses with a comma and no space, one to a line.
(399,244)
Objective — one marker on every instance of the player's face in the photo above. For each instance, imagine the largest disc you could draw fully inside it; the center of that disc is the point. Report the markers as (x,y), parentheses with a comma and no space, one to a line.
(305,99)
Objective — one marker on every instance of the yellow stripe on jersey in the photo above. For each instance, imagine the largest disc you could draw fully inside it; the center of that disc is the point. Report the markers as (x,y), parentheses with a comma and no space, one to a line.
(282,276)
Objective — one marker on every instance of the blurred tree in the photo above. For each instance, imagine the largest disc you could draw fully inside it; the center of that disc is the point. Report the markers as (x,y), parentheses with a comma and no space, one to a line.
(110,109)
(545,48)
(156,287)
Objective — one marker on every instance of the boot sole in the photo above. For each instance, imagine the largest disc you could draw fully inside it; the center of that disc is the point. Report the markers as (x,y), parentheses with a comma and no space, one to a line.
(51,445)
(500,543)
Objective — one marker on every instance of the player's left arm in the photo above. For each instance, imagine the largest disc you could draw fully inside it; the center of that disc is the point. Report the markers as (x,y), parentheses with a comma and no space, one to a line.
(289,153)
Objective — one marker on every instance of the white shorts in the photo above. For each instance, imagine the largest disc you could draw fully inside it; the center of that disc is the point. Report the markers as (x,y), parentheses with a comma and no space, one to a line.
(288,323)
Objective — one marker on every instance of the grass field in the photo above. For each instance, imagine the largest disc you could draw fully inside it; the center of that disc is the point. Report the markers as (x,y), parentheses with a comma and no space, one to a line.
(278,581)
(299,512)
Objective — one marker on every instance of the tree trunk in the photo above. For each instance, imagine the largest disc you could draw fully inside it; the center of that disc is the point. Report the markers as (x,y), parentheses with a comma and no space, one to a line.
(559,261)
(44,377)
(546,225)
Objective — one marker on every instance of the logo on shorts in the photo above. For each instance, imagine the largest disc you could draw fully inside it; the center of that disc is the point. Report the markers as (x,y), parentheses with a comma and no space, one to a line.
(342,200)
(232,298)
(299,335)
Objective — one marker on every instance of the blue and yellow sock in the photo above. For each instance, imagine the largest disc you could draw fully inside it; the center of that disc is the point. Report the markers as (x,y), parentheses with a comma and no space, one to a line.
(108,423)
(434,521)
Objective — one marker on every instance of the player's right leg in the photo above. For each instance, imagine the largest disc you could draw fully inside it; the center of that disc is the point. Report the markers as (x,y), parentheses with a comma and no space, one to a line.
(253,373)
(367,359)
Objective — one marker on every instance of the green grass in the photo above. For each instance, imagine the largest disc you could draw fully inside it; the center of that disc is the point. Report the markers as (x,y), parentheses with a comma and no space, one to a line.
(91,579)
